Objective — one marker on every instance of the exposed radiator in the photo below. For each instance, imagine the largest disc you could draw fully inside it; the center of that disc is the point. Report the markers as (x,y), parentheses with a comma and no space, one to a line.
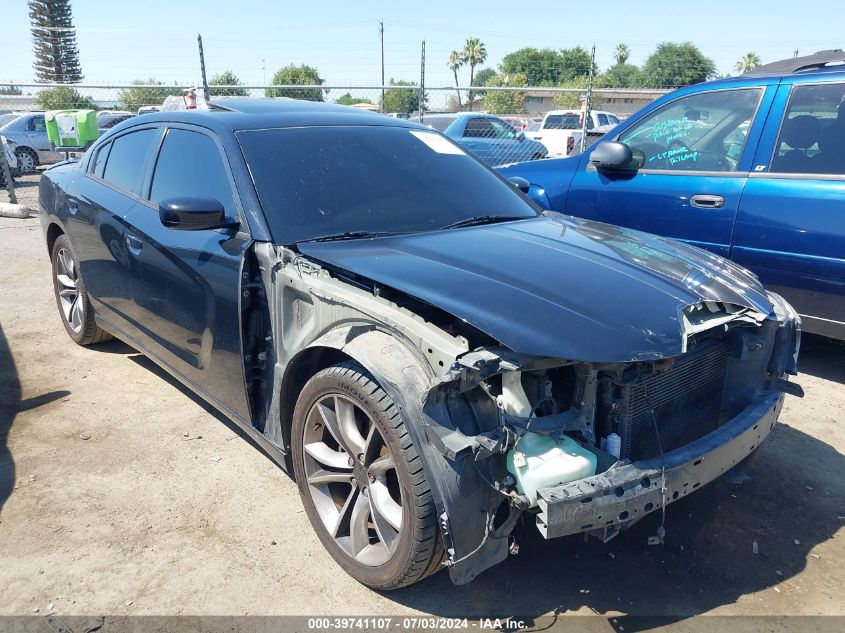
(687,400)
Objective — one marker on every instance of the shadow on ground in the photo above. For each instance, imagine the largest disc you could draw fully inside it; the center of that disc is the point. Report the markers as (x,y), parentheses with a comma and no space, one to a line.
(822,357)
(145,362)
(707,560)
(11,403)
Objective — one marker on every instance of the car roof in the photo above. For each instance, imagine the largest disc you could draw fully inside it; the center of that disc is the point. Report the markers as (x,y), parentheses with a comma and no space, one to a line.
(237,114)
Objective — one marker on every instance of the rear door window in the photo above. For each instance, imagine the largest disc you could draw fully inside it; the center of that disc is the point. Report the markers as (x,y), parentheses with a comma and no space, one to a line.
(125,164)
(190,164)
(812,135)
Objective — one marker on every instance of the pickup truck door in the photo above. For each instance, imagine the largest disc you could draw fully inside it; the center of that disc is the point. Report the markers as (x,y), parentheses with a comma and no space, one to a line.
(790,228)
(694,154)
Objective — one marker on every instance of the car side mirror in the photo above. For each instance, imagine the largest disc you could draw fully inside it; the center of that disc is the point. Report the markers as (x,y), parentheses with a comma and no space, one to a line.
(520,183)
(194,214)
(520,136)
(612,155)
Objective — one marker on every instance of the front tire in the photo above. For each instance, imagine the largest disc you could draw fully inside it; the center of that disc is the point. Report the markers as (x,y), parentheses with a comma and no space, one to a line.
(361,480)
(71,298)
(27,160)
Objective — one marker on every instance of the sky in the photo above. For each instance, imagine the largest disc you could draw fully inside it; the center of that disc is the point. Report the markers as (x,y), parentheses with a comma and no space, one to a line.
(120,41)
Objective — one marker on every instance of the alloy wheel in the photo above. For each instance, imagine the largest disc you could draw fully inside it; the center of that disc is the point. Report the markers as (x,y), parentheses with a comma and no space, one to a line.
(26,162)
(67,280)
(352,479)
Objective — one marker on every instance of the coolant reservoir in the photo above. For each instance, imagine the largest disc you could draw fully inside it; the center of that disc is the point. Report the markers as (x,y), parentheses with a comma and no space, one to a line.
(540,461)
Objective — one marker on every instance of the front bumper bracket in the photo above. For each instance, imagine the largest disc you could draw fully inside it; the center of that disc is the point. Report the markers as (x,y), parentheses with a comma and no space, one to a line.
(612,501)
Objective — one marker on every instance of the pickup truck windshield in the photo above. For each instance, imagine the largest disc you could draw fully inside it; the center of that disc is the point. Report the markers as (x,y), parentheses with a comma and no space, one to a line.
(316,181)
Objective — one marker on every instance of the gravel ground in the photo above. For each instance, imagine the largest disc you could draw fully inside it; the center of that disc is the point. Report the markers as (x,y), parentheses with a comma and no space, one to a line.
(120,493)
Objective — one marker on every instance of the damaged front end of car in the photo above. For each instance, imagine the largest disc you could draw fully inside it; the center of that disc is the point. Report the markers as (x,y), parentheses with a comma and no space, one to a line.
(591,437)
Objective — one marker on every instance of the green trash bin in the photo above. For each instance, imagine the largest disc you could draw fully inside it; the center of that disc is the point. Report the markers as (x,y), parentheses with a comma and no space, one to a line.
(71,129)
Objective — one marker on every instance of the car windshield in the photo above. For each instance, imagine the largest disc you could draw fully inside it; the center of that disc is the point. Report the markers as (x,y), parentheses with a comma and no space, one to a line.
(7,118)
(318,181)
(107,122)
(562,122)
(439,123)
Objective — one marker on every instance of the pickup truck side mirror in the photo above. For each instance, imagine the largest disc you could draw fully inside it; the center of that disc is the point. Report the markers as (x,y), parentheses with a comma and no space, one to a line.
(611,156)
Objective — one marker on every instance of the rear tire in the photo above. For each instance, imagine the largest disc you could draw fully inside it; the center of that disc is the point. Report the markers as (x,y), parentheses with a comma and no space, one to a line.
(357,467)
(71,298)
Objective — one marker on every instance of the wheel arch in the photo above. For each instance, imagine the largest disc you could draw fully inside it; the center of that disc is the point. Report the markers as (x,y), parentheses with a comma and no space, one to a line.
(53,233)
(29,150)
(393,366)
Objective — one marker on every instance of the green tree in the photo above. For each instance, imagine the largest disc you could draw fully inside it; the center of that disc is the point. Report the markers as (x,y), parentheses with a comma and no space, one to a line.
(301,75)
(454,63)
(348,100)
(572,100)
(54,39)
(473,53)
(405,98)
(575,62)
(64,98)
(452,104)
(146,92)
(226,78)
(540,67)
(11,91)
(675,65)
(621,54)
(747,62)
(505,102)
(623,76)
(483,76)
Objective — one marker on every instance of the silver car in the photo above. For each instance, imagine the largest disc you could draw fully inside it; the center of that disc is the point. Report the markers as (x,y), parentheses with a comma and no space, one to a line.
(29,133)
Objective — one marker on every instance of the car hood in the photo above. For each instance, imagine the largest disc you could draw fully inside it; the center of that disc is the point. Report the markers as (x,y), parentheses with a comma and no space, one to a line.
(557,286)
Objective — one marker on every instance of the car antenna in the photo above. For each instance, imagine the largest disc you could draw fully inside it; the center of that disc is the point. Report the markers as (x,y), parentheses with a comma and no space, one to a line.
(202,70)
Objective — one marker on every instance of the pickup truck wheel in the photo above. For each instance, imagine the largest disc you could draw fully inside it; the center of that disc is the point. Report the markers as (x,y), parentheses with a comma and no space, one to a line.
(72,299)
(362,481)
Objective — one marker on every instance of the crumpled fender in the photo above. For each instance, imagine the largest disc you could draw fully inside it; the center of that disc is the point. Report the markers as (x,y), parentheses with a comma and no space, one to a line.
(462,497)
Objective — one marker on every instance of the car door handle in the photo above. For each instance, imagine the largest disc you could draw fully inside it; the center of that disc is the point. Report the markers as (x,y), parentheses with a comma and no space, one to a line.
(134,244)
(706,201)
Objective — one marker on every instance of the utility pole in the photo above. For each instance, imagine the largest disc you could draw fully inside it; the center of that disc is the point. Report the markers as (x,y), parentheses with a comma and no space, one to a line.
(588,99)
(381,38)
(202,68)
(796,53)
(422,82)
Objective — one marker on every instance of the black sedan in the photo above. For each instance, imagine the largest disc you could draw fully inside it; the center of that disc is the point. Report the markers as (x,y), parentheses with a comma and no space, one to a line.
(429,355)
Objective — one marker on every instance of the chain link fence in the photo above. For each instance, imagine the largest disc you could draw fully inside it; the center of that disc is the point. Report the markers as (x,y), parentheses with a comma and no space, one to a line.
(498,124)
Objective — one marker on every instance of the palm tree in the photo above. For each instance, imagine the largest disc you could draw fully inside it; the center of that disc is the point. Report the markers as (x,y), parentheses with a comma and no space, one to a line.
(455,62)
(473,53)
(748,62)
(622,54)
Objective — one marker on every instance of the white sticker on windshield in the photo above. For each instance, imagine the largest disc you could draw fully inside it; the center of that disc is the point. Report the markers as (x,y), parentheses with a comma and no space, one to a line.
(438,143)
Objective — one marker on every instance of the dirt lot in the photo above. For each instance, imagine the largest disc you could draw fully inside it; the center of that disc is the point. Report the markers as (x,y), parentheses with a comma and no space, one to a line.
(122,494)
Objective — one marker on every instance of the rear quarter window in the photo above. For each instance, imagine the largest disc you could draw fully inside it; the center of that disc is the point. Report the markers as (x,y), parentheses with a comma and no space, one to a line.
(125,164)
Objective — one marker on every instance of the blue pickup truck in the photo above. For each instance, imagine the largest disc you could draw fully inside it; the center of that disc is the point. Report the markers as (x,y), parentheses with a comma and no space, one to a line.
(751,168)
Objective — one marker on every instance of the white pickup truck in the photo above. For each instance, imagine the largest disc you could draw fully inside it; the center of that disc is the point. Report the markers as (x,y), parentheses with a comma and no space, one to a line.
(560,130)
